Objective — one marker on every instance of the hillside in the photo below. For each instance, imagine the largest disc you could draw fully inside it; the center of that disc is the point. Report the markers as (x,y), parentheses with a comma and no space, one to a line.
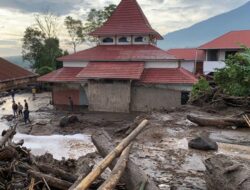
(18,61)
(202,32)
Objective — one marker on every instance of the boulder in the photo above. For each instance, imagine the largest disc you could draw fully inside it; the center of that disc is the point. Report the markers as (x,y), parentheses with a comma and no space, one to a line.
(64,121)
(203,143)
(73,119)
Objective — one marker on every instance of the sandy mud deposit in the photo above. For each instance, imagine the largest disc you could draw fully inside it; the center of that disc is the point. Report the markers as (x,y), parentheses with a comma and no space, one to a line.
(161,150)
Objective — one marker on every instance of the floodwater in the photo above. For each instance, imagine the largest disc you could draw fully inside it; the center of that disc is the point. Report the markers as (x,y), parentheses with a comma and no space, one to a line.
(60,146)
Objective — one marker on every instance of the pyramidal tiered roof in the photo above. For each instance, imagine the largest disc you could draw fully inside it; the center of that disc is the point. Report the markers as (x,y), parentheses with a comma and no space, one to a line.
(127,19)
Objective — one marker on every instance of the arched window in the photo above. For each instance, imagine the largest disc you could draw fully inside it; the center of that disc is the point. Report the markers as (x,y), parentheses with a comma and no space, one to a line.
(139,39)
(108,40)
(123,40)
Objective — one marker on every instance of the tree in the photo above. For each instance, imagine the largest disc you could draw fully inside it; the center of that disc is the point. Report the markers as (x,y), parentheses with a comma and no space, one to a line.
(96,18)
(33,42)
(234,78)
(47,24)
(75,30)
(41,47)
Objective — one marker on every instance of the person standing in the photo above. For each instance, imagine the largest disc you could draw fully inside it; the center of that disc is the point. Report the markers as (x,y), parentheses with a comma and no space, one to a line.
(34,93)
(14,108)
(71,104)
(20,109)
(26,106)
(13,95)
(26,116)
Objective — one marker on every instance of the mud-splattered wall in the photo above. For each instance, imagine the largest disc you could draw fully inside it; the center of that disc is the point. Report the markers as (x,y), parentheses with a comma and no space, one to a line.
(112,96)
(146,98)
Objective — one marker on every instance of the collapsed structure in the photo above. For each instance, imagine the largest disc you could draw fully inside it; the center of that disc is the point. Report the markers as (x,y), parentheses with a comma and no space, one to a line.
(13,76)
(125,71)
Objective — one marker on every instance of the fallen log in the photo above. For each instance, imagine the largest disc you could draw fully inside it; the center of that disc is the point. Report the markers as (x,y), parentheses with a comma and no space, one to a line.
(133,176)
(216,121)
(117,172)
(226,173)
(96,172)
(57,172)
(52,181)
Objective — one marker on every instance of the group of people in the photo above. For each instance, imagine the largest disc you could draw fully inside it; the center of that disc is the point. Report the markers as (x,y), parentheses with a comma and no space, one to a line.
(19,112)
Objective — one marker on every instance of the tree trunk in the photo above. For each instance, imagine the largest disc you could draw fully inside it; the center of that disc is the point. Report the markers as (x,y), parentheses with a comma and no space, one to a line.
(217,121)
(133,176)
(224,173)
(57,172)
(96,172)
(117,172)
(52,181)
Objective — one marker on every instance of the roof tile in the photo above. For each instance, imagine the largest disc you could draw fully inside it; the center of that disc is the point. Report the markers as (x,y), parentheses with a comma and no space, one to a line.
(112,70)
(10,71)
(230,40)
(127,19)
(168,76)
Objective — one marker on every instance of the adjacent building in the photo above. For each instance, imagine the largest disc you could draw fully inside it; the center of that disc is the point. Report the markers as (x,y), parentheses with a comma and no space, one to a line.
(217,50)
(125,72)
(191,59)
(13,76)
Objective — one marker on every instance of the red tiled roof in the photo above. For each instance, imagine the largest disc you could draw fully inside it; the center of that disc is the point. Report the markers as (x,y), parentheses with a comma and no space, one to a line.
(65,74)
(127,19)
(10,71)
(230,40)
(119,53)
(168,76)
(112,70)
(189,54)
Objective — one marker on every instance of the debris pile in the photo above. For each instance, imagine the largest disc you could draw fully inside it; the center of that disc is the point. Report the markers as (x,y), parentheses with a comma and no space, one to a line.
(19,169)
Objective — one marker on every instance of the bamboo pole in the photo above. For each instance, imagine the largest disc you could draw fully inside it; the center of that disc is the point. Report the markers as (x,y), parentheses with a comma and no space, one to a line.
(117,172)
(86,182)
(247,120)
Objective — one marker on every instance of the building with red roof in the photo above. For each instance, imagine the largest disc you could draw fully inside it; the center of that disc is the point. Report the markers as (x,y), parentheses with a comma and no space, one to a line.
(12,76)
(191,58)
(217,50)
(125,71)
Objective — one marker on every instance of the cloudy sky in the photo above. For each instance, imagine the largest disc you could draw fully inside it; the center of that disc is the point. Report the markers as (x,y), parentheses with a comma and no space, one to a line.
(164,15)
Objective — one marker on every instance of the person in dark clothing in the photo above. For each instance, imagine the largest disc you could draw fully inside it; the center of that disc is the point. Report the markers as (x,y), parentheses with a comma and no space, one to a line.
(71,104)
(15,108)
(26,116)
(13,95)
(26,106)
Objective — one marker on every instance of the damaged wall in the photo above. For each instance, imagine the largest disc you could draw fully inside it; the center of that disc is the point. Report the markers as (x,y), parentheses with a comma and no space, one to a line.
(16,83)
(147,98)
(61,92)
(109,96)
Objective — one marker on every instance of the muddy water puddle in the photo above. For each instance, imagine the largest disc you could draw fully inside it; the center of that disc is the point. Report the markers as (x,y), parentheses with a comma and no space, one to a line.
(68,146)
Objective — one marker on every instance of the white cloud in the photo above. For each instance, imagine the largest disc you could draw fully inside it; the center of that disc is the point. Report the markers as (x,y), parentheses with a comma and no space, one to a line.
(164,15)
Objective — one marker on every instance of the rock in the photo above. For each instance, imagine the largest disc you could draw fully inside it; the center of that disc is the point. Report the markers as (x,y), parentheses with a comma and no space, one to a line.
(203,143)
(8,117)
(2,102)
(64,121)
(73,119)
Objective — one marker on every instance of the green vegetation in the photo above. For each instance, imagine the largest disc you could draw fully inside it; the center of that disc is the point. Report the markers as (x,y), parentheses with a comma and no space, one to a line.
(201,88)
(95,19)
(234,79)
(41,45)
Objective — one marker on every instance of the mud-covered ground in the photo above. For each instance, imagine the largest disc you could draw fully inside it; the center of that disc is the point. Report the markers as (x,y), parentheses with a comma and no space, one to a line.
(161,150)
